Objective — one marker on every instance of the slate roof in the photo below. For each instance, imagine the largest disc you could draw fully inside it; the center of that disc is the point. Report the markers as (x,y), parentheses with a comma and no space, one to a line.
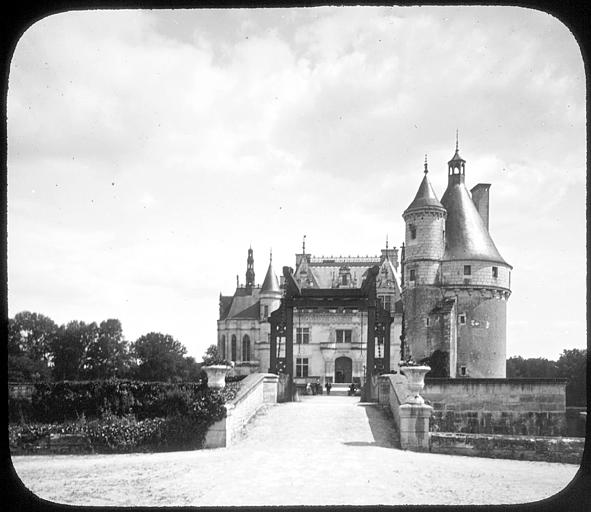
(425,197)
(466,236)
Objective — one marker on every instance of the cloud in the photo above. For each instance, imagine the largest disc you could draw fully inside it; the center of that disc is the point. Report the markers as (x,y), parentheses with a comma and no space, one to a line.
(160,144)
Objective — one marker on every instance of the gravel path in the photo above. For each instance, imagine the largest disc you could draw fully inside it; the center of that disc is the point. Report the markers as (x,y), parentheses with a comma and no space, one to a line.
(320,451)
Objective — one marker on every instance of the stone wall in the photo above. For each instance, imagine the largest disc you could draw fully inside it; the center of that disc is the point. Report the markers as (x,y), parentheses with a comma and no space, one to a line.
(533,407)
(256,390)
(548,449)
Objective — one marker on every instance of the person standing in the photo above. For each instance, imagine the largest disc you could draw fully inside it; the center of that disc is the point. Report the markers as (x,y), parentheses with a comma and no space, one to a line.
(328,386)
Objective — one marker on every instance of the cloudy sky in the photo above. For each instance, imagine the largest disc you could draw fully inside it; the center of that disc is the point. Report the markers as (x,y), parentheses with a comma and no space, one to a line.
(148,149)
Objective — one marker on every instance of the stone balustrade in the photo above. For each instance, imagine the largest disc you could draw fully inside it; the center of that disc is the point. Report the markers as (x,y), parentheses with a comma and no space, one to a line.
(256,390)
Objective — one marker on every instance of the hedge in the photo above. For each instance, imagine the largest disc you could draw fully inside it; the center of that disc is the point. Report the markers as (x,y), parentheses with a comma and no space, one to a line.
(69,400)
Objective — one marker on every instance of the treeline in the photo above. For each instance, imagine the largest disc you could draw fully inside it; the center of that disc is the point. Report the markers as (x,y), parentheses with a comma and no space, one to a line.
(571,365)
(40,350)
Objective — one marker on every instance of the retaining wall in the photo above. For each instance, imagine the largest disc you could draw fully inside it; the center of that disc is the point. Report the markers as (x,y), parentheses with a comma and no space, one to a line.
(537,448)
(534,407)
(256,390)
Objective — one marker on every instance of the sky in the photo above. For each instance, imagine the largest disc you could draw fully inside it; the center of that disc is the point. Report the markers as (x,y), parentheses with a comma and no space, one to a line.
(148,149)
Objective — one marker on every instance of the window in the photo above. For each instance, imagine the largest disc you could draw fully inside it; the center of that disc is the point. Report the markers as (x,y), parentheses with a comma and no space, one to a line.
(223,346)
(302,335)
(462,319)
(467,270)
(413,231)
(344,335)
(463,371)
(233,347)
(412,276)
(301,367)
(387,301)
(427,321)
(495,272)
(265,312)
(246,348)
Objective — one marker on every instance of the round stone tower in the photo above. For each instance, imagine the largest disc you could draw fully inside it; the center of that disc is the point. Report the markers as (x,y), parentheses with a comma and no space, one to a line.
(270,300)
(476,277)
(424,248)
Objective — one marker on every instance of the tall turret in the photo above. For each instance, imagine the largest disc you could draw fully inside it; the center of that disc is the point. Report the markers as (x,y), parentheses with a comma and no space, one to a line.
(425,235)
(270,294)
(422,252)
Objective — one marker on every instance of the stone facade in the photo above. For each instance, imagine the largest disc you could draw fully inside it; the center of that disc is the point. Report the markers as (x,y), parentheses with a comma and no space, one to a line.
(329,344)
(455,284)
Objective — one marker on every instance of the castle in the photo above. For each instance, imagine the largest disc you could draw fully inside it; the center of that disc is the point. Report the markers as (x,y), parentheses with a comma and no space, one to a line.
(444,303)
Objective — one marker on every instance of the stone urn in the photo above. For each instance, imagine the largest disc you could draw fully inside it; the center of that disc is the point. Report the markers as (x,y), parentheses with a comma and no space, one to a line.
(216,375)
(416,382)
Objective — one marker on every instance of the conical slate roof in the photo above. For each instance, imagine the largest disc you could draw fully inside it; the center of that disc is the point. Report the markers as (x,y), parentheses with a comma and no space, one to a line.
(271,283)
(466,236)
(425,197)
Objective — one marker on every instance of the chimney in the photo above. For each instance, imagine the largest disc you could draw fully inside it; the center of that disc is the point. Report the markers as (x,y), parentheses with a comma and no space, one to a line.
(480,199)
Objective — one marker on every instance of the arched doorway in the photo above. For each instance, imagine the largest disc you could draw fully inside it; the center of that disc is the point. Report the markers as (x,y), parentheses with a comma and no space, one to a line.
(343,369)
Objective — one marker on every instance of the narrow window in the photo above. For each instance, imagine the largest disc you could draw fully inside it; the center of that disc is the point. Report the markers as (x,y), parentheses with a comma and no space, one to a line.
(265,312)
(233,347)
(467,270)
(246,348)
(301,367)
(412,276)
(413,231)
(462,319)
(463,371)
(495,272)
(427,322)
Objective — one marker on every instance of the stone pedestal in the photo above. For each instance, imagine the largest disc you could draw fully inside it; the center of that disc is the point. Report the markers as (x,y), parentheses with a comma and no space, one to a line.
(414,427)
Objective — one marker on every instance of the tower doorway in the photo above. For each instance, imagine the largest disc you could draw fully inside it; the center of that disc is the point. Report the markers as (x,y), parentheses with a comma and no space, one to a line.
(343,369)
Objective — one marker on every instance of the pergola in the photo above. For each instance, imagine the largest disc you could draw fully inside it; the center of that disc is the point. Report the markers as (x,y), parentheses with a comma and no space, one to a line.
(363,299)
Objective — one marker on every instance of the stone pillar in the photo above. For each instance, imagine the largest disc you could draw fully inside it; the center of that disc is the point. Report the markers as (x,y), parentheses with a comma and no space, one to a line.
(289,350)
(273,349)
(414,427)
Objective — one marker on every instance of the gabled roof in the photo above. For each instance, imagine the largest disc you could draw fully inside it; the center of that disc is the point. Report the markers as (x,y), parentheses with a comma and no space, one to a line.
(225,304)
(466,236)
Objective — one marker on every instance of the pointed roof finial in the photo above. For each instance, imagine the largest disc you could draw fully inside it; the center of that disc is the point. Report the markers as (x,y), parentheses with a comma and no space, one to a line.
(386,241)
(270,254)
(304,245)
(457,143)
(426,169)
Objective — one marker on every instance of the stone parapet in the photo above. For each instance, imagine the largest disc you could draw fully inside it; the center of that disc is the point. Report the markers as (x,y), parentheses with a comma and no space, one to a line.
(537,448)
(256,390)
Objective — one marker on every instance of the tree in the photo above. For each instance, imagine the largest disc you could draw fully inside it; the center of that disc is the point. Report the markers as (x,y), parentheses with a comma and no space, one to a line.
(159,357)
(107,356)
(535,368)
(30,336)
(70,350)
(31,333)
(572,365)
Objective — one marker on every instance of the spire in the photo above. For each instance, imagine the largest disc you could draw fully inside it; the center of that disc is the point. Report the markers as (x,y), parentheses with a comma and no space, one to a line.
(425,195)
(457,140)
(249,270)
(426,168)
(270,283)
(304,245)
(386,241)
